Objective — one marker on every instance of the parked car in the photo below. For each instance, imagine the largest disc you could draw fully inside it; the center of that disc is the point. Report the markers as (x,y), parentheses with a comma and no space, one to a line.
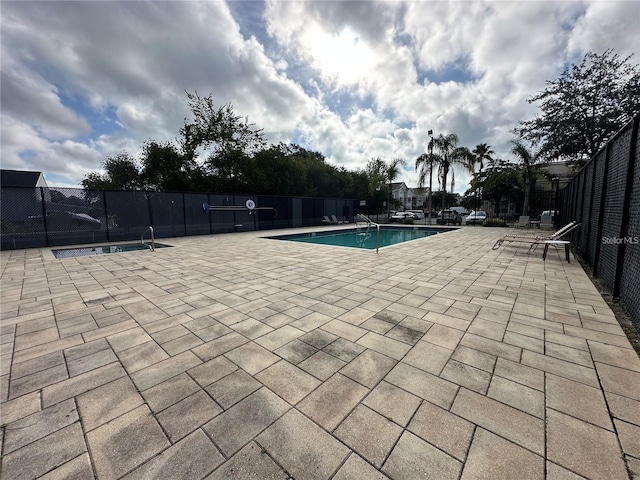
(417,214)
(476,217)
(448,217)
(401,216)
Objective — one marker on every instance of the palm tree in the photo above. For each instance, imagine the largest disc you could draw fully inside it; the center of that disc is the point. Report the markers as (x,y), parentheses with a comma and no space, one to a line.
(529,168)
(392,171)
(425,163)
(481,153)
(449,154)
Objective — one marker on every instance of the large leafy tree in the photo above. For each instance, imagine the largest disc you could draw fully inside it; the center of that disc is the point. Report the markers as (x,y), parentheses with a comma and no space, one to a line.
(121,173)
(165,168)
(584,107)
(529,162)
(448,154)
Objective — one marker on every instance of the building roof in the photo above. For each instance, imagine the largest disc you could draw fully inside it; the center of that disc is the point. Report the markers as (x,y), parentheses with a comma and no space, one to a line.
(21,178)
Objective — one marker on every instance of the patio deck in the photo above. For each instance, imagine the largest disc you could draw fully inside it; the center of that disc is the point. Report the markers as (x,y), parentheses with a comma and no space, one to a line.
(233,356)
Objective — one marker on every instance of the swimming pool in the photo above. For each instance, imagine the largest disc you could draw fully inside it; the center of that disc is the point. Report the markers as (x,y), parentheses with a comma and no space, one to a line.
(363,238)
(103,249)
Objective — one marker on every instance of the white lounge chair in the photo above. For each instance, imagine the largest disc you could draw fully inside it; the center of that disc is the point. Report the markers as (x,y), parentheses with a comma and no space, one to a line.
(538,239)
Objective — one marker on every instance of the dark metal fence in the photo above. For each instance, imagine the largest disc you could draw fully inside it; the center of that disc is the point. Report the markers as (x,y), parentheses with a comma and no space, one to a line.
(605,197)
(46,217)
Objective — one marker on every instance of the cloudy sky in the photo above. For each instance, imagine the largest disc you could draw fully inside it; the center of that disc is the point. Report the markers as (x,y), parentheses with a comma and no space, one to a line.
(351,79)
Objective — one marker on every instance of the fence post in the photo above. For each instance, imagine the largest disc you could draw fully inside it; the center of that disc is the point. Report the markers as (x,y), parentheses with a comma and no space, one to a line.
(184,213)
(44,217)
(106,213)
(626,212)
(603,196)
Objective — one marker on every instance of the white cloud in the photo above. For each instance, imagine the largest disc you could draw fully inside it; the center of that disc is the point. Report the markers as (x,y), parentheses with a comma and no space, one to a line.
(355,80)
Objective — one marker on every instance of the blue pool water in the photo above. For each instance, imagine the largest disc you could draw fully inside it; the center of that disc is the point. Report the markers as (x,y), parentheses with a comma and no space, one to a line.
(360,238)
(102,249)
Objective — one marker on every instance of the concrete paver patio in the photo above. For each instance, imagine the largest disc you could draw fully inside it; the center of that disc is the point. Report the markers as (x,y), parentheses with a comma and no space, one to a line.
(236,356)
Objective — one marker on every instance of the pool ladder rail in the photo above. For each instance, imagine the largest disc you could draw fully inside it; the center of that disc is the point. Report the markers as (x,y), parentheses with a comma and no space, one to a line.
(363,236)
(152,247)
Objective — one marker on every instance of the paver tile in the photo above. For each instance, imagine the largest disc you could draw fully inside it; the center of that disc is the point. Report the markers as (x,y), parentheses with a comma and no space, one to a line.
(318,338)
(344,330)
(624,408)
(91,362)
(466,376)
(475,358)
(321,365)
(233,388)
(45,454)
(424,385)
(279,337)
(445,430)
(369,434)
(185,416)
(288,381)
(428,357)
(619,380)
(614,355)
(81,383)
(219,346)
(332,401)
(303,448)
(493,457)
(392,402)
(38,425)
(252,358)
(249,463)
(234,428)
(122,397)
(583,448)
(629,435)
(122,444)
(296,351)
(531,377)
(519,427)
(492,347)
(517,396)
(77,469)
(344,349)
(213,370)
(141,356)
(415,458)
(578,400)
(163,370)
(192,457)
(355,468)
(170,391)
(368,368)
(20,407)
(36,381)
(562,368)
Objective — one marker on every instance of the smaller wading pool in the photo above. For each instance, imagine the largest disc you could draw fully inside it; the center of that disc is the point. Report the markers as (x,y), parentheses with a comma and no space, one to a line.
(103,249)
(363,238)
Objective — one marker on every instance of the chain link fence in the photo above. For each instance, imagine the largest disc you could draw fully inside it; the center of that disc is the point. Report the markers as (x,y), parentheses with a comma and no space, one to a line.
(605,197)
(46,217)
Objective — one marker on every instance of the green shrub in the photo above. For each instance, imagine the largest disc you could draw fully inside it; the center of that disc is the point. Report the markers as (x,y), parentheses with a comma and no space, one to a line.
(408,221)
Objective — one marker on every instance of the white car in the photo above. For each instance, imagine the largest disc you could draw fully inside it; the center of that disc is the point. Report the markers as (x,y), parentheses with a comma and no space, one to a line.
(401,216)
(476,217)
(417,214)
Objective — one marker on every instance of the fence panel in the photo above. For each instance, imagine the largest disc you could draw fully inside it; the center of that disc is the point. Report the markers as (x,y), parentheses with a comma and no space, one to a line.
(197,221)
(127,214)
(613,207)
(23,221)
(167,214)
(630,278)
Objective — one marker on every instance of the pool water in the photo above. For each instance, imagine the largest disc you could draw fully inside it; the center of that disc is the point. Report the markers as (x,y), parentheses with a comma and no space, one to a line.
(103,249)
(361,238)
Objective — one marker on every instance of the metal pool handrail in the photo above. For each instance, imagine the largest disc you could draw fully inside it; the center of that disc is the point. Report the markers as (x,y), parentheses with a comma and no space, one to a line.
(153,244)
(369,224)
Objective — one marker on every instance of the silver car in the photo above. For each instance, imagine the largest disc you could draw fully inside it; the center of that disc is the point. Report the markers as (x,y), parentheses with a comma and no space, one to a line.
(476,217)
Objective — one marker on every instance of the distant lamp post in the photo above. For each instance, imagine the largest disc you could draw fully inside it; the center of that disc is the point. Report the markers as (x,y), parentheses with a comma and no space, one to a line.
(478,193)
(430,170)
(555,203)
